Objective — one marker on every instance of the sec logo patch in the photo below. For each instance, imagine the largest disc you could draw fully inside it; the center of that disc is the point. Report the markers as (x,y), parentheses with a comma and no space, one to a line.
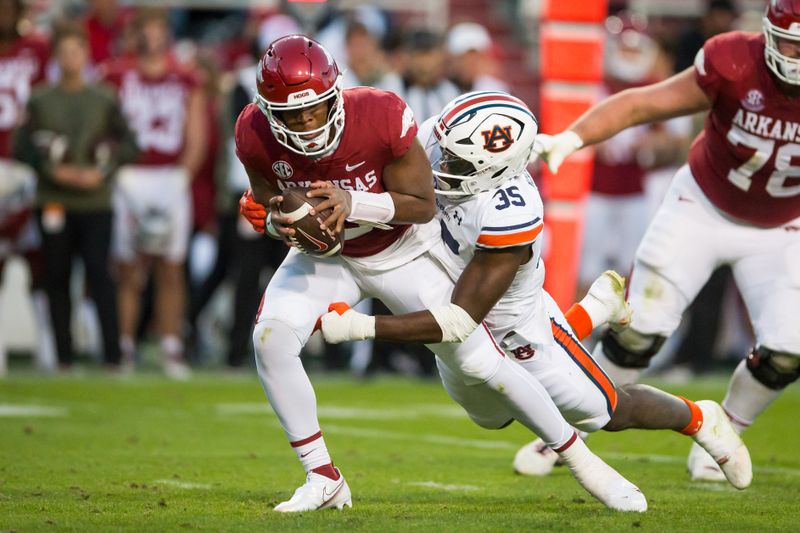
(282,169)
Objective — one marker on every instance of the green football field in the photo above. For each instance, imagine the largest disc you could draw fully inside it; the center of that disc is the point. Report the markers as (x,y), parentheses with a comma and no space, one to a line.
(96,453)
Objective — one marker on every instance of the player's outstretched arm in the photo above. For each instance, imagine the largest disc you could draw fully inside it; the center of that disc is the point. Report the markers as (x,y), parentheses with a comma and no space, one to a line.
(484,281)
(673,97)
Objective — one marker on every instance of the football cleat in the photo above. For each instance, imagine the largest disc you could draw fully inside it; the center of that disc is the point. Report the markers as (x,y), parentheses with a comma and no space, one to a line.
(175,368)
(703,467)
(318,492)
(602,481)
(609,290)
(535,459)
(718,437)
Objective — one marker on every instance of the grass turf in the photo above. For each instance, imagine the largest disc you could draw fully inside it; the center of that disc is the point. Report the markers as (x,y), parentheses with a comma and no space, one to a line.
(146,454)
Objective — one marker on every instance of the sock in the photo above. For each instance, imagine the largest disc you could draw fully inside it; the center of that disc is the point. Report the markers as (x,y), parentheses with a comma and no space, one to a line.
(172,347)
(128,349)
(574,453)
(696,421)
(530,404)
(746,398)
(45,338)
(619,375)
(580,321)
(313,454)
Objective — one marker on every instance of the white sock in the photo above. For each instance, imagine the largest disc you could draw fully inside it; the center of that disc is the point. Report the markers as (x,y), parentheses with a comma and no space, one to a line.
(575,453)
(128,349)
(529,403)
(286,383)
(619,375)
(312,451)
(746,398)
(172,347)
(45,338)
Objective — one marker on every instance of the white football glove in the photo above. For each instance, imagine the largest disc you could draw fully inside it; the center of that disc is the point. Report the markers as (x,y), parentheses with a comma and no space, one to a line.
(341,323)
(553,149)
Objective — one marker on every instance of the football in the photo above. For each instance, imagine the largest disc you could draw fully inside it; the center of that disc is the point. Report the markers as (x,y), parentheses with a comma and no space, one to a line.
(308,237)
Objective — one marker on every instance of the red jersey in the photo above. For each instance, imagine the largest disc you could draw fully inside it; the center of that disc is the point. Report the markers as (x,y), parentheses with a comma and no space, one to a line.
(378,128)
(747,158)
(22,65)
(156,108)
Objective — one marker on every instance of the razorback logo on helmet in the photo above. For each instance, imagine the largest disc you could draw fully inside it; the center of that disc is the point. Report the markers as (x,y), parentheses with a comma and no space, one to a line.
(501,134)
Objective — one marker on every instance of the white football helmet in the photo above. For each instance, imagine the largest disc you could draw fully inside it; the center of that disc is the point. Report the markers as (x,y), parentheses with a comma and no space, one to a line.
(480,140)
(782,23)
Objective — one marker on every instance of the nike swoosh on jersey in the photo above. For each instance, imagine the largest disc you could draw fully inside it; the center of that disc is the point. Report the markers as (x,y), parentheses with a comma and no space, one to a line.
(349,168)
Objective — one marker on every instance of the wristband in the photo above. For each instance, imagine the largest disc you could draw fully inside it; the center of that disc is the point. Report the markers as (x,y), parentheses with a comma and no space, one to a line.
(370,207)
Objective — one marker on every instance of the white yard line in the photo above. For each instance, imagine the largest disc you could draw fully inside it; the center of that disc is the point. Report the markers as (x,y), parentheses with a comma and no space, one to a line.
(443,486)
(25,411)
(351,413)
(182,484)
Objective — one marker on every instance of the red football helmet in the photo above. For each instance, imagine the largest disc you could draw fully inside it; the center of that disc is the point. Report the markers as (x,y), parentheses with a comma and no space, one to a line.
(298,72)
(782,23)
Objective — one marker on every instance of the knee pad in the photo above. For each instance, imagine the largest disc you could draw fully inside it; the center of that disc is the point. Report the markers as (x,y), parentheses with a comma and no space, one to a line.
(774,370)
(631,349)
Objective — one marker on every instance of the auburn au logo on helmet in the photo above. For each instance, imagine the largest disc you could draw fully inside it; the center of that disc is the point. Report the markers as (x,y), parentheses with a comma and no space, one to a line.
(495,135)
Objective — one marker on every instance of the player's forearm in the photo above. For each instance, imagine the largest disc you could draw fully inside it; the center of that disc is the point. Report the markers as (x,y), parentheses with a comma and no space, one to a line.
(609,118)
(413,327)
(410,209)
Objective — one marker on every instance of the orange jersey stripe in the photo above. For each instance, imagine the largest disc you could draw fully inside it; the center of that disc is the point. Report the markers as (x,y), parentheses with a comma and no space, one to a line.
(586,363)
(510,239)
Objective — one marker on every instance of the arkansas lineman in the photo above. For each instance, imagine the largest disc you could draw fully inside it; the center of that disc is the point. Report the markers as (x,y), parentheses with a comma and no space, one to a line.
(736,202)
(358,148)
(491,227)
(164,105)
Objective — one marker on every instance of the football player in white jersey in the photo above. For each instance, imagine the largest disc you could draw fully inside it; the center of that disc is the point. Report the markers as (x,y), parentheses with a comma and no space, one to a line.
(491,225)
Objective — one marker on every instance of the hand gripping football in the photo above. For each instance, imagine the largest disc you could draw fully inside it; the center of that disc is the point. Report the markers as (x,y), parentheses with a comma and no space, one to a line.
(308,237)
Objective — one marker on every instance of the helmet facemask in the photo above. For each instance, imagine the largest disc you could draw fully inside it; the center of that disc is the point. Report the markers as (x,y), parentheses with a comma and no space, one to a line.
(786,68)
(312,143)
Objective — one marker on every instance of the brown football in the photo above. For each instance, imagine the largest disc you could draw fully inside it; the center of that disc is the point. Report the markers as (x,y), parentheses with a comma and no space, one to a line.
(308,237)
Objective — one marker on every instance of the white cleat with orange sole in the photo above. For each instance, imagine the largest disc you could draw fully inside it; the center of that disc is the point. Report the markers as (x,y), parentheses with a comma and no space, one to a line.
(718,437)
(318,492)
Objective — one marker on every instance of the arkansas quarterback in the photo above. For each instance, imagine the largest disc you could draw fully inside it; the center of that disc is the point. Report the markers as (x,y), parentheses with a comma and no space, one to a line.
(358,149)
(491,228)
(736,202)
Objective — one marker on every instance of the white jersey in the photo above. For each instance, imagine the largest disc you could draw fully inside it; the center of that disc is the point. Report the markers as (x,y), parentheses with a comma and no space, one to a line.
(511,215)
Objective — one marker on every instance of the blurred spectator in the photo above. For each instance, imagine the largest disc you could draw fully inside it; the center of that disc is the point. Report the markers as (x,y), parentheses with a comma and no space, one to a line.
(366,62)
(718,18)
(75,137)
(23,59)
(472,65)
(616,206)
(164,104)
(424,85)
(242,254)
(105,24)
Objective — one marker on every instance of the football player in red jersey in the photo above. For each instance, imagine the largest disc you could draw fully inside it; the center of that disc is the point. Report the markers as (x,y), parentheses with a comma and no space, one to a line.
(358,148)
(736,202)
(23,59)
(164,105)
